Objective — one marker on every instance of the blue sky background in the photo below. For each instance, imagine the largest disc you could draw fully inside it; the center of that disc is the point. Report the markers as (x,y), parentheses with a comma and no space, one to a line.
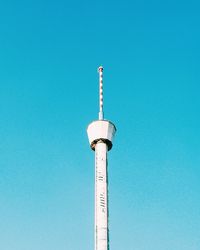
(49,54)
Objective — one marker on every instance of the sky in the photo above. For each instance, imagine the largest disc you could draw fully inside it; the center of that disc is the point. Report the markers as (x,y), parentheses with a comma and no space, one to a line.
(49,55)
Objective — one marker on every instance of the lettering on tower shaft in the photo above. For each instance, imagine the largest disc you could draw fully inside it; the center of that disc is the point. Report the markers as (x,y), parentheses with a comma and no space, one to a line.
(101,202)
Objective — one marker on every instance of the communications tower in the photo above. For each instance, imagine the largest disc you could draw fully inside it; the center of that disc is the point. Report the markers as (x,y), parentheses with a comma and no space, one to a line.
(100,134)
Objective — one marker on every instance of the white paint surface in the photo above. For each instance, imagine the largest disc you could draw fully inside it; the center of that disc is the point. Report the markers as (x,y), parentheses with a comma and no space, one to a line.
(101,197)
(101,130)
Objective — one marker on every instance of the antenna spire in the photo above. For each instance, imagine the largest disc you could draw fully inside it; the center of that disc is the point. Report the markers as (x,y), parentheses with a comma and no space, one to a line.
(100,70)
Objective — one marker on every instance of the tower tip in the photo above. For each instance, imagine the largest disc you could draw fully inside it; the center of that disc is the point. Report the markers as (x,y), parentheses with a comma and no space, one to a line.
(100,68)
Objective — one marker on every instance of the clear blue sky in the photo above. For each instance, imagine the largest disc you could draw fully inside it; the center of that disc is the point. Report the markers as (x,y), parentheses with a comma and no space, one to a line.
(49,54)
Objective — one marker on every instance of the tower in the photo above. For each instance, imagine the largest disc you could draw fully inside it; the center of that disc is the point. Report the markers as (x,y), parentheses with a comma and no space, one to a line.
(100,134)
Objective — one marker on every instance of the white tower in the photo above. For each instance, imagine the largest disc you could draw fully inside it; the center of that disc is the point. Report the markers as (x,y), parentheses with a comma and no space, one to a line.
(100,134)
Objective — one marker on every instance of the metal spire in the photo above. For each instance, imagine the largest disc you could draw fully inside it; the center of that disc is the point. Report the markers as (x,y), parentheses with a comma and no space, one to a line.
(100,70)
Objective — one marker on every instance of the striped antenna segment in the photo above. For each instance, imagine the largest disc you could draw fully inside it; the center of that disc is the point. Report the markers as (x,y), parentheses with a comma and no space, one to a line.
(100,70)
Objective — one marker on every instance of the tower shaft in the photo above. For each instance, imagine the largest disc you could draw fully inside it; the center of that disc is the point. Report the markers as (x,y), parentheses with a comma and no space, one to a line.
(101,197)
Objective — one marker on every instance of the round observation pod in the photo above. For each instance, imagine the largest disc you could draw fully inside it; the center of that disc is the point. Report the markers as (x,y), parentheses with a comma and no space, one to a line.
(101,130)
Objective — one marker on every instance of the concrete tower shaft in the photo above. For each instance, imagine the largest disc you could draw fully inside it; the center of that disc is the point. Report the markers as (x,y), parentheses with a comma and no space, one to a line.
(100,134)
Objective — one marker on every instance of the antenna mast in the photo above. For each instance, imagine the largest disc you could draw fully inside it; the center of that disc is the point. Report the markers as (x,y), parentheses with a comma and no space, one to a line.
(100,70)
